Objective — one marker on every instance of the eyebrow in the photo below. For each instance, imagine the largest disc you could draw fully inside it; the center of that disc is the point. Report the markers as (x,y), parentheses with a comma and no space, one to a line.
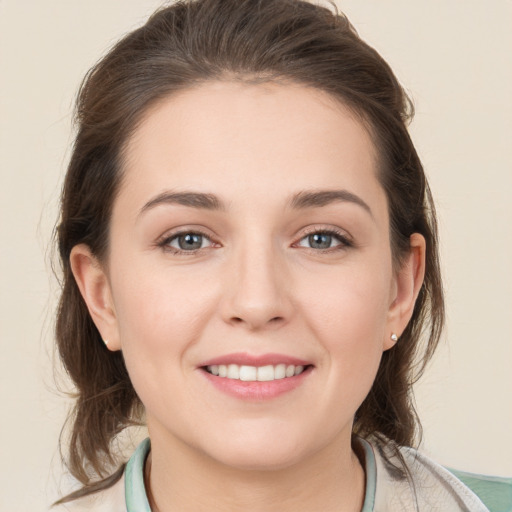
(301,200)
(319,198)
(191,199)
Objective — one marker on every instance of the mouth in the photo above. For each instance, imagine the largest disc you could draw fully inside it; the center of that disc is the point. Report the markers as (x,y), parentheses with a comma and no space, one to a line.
(266,373)
(256,377)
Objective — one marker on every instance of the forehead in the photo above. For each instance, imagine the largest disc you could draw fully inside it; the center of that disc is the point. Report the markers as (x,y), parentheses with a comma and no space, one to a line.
(266,137)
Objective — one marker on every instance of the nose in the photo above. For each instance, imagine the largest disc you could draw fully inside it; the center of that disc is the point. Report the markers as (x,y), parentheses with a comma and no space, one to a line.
(258,293)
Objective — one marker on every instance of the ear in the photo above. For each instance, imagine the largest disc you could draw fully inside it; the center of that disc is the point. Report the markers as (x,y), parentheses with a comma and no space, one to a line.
(94,286)
(408,282)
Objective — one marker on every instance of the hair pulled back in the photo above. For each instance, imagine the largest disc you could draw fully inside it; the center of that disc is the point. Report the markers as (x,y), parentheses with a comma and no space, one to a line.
(186,44)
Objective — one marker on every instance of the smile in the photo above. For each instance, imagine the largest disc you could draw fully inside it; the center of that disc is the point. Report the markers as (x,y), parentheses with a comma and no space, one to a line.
(255,373)
(256,377)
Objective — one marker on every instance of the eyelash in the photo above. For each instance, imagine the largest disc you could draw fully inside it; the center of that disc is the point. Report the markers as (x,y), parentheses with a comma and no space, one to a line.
(344,241)
(166,241)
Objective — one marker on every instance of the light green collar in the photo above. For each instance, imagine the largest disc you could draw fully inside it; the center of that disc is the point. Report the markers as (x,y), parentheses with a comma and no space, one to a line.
(137,500)
(134,489)
(370,470)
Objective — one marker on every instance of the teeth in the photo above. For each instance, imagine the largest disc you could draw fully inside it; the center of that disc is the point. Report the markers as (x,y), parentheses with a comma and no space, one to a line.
(265,373)
(255,373)
(248,373)
(233,371)
(280,371)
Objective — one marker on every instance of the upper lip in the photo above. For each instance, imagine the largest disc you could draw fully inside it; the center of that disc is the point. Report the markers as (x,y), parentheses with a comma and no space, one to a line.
(244,359)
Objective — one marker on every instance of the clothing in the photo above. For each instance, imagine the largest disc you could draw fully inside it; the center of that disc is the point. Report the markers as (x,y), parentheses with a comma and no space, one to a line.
(430,487)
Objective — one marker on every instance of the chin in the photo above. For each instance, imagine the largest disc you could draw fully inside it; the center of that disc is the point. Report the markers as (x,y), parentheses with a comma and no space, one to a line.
(259,453)
(260,460)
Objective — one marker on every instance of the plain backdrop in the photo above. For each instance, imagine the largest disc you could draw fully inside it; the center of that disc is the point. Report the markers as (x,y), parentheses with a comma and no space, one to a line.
(454,58)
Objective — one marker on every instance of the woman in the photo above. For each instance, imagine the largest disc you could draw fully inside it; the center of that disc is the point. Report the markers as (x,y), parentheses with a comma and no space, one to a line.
(250,264)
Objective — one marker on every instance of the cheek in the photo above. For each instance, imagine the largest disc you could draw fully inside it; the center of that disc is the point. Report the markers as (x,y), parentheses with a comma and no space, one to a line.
(351,304)
(348,315)
(160,312)
(160,316)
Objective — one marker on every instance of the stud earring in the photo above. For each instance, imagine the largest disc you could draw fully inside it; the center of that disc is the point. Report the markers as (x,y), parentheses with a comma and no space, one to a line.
(394,337)
(106,342)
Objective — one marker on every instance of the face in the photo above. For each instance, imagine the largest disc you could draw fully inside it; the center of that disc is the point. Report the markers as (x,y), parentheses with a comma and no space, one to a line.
(249,281)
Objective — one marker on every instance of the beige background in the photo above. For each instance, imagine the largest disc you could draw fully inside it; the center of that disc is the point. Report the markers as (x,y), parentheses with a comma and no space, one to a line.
(454,58)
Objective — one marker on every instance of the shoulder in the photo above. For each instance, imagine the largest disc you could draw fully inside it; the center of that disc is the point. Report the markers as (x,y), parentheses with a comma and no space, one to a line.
(109,500)
(421,484)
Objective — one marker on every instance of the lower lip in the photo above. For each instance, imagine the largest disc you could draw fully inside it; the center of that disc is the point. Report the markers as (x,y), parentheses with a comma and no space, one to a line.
(257,390)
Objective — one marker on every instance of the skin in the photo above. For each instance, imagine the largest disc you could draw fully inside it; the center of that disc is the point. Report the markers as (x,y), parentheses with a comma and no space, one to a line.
(257,285)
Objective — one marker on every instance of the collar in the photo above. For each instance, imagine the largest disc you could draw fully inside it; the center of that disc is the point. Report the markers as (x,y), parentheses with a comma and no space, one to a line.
(137,500)
(134,489)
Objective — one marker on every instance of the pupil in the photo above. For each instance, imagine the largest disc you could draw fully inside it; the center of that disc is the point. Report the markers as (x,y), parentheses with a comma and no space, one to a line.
(320,241)
(190,241)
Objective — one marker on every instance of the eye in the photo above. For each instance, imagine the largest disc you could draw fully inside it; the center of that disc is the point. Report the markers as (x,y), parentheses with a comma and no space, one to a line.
(324,240)
(186,242)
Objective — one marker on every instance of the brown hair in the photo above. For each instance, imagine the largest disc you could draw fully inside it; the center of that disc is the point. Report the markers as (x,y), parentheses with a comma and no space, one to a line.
(188,43)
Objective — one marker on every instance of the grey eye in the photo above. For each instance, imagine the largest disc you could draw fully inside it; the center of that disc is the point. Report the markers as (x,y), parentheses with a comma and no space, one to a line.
(320,241)
(323,240)
(188,241)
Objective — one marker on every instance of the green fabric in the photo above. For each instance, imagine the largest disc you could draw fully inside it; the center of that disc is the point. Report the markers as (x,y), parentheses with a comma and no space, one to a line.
(371,476)
(495,492)
(135,492)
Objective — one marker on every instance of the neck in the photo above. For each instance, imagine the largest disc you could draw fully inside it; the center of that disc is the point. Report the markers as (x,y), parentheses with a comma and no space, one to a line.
(179,477)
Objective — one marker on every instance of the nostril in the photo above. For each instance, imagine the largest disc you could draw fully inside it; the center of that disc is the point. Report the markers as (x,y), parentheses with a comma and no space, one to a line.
(252,323)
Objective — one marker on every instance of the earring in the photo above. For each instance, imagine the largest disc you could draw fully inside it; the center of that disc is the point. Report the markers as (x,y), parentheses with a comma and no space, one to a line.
(394,337)
(106,342)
